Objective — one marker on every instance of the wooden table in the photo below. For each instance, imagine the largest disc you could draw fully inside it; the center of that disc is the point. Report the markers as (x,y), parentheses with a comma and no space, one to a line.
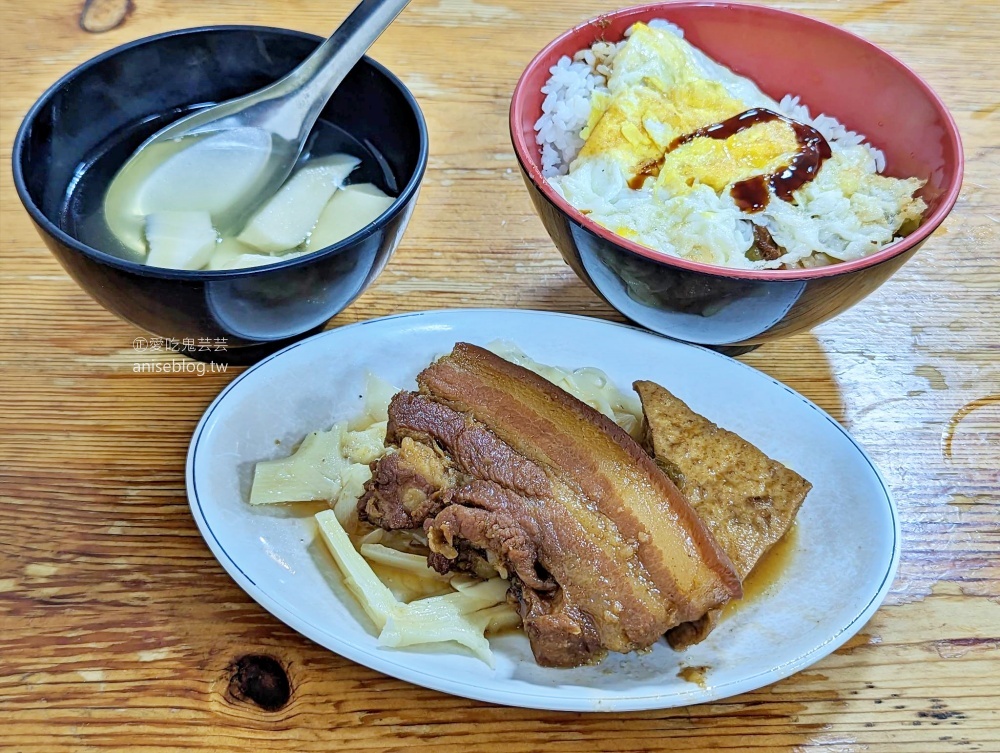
(118,628)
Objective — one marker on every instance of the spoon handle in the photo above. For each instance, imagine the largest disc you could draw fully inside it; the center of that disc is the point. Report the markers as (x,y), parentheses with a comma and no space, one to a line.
(307,88)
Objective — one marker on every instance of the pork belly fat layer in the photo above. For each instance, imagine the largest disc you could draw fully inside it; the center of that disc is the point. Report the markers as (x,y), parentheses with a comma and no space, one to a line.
(588,451)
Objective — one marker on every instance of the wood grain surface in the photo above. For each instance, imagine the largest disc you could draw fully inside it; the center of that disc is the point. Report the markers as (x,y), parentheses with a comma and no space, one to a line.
(118,630)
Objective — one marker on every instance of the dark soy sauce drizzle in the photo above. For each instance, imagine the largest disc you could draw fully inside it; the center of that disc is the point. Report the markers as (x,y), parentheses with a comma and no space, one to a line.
(751,195)
(647,169)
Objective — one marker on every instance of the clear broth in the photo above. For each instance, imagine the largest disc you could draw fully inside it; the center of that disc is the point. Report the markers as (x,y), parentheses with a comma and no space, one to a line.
(82,212)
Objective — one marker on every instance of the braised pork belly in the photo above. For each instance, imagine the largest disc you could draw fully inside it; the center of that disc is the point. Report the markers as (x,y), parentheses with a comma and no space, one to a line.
(509,474)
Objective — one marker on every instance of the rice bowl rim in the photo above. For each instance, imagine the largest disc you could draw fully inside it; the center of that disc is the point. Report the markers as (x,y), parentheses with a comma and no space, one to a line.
(954,156)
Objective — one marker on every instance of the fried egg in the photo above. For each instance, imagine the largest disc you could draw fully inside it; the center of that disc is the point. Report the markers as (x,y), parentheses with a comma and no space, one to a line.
(659,92)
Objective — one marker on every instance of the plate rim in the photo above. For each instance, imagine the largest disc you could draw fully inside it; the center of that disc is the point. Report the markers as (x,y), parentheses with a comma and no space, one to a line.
(551,701)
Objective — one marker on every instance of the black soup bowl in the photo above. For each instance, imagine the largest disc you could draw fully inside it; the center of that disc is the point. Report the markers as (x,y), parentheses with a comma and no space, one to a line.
(99,113)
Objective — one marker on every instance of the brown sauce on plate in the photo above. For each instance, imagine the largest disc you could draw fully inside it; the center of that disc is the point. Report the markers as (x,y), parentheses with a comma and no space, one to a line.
(767,573)
(695,675)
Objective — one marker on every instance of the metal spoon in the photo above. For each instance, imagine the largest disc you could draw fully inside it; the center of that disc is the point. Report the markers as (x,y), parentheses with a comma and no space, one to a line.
(277,119)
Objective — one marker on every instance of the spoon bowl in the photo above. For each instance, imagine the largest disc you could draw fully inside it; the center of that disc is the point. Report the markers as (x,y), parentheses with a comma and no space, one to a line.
(114,101)
(227,159)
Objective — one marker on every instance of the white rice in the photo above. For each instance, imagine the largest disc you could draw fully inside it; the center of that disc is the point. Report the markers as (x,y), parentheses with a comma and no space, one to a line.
(824,226)
(831,128)
(565,110)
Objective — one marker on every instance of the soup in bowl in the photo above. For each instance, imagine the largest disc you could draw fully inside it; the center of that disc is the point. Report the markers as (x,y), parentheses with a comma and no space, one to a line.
(81,131)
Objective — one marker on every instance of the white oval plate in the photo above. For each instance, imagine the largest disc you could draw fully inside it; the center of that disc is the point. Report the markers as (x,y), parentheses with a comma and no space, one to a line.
(839,573)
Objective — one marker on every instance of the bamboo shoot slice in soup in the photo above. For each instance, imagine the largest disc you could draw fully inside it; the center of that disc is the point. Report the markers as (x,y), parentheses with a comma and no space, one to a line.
(350,209)
(232,254)
(227,251)
(180,240)
(290,215)
(175,206)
